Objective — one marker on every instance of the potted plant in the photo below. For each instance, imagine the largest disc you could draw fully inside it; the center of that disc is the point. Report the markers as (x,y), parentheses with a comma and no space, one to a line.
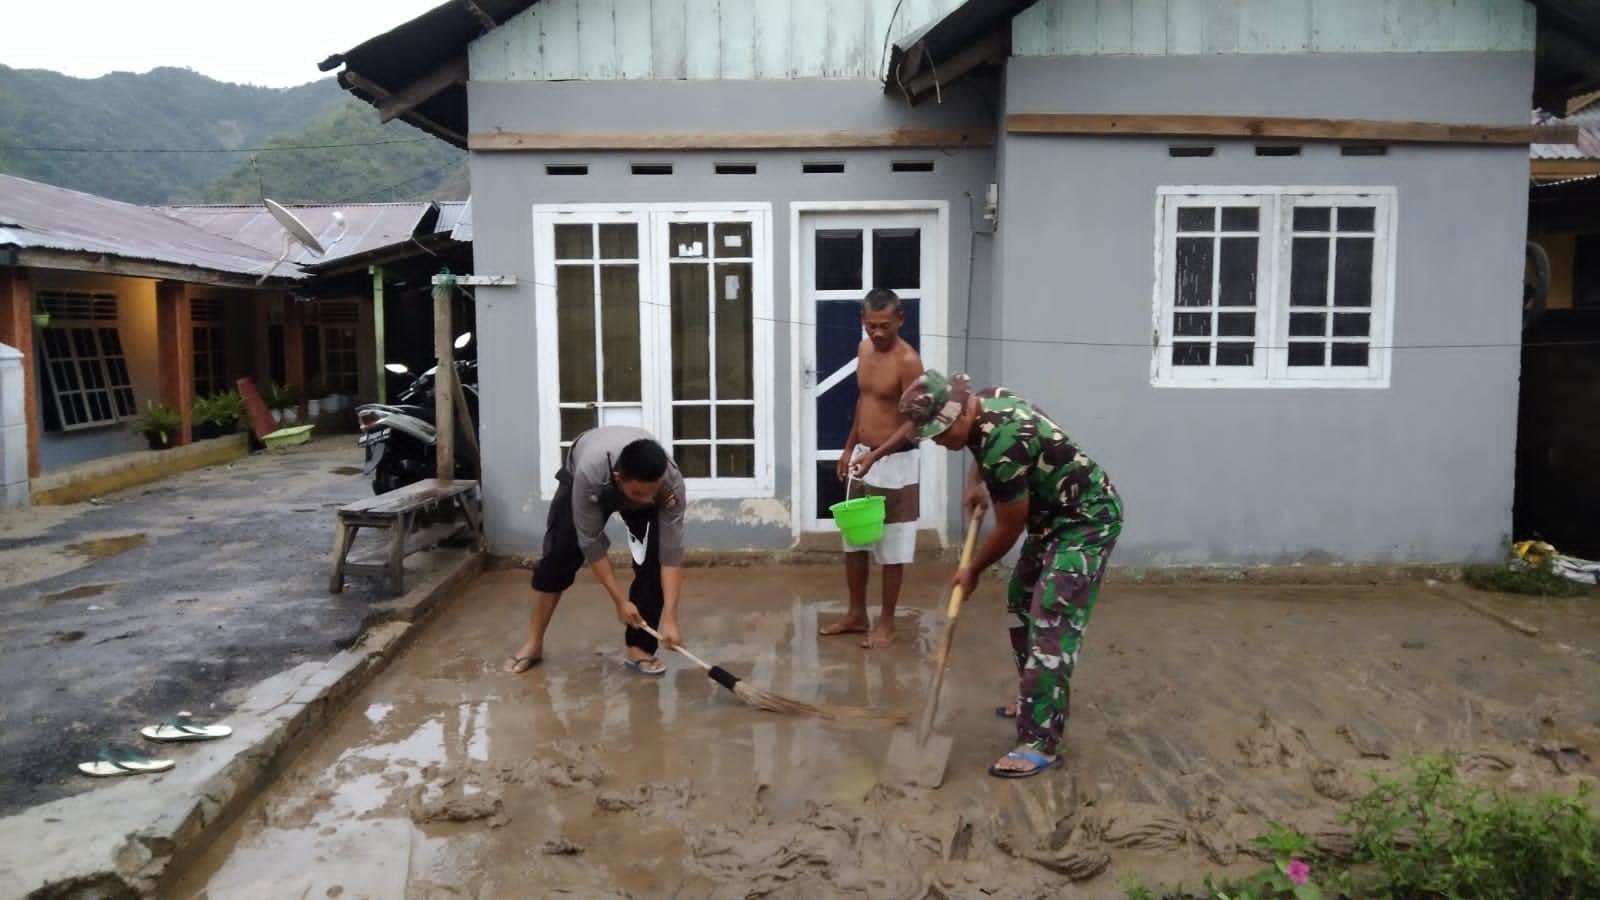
(284,401)
(317,398)
(202,418)
(228,410)
(159,424)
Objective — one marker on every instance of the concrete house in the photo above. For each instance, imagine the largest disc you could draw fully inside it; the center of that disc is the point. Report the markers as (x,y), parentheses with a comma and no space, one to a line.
(1261,259)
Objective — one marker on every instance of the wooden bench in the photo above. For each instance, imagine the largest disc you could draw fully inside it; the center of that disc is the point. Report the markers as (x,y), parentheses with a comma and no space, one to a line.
(399,511)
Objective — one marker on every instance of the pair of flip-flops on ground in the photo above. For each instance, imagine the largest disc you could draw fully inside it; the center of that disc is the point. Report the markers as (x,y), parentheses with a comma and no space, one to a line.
(520,664)
(120,760)
(1039,761)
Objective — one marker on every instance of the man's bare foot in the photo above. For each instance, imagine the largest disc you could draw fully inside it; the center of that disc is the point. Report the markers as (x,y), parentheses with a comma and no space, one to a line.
(882,636)
(1009,711)
(846,625)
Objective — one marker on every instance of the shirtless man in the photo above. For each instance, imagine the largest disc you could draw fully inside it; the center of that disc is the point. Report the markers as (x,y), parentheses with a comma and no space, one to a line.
(881,455)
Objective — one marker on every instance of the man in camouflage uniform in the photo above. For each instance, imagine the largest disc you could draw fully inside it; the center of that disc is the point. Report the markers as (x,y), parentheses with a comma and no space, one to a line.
(1040,481)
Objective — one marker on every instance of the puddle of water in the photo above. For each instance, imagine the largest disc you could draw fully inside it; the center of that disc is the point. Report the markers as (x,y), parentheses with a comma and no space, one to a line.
(77,593)
(348,470)
(101,548)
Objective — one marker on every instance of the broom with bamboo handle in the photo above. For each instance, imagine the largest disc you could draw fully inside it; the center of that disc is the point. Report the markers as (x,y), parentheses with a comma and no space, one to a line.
(777,702)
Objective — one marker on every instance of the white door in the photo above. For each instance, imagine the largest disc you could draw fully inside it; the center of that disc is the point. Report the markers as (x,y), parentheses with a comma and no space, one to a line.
(842,255)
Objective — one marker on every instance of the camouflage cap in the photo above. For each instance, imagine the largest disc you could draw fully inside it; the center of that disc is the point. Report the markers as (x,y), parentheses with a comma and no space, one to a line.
(933,402)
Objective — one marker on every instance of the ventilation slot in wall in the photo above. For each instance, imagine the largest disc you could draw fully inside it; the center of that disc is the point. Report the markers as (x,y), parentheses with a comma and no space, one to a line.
(1363,150)
(566,169)
(736,168)
(822,168)
(912,165)
(1278,150)
(651,168)
(1187,152)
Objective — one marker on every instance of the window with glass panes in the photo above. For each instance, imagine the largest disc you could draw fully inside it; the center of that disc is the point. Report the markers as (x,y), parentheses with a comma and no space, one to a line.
(652,316)
(1274,287)
(85,367)
(210,347)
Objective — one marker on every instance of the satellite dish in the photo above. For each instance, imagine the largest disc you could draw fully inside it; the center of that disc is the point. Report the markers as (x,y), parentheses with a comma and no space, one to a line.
(295,227)
(296,232)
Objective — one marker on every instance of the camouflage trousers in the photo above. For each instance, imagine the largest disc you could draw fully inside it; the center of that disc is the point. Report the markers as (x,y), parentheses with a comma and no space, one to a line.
(1051,596)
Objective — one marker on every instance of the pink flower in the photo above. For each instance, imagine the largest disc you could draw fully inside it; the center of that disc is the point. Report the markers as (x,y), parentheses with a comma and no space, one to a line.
(1298,871)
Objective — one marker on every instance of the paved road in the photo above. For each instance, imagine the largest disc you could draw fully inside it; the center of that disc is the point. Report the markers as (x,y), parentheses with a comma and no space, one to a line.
(172,596)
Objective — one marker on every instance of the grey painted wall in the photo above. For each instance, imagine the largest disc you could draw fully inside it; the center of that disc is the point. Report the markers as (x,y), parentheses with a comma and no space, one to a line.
(1421,470)
(507,185)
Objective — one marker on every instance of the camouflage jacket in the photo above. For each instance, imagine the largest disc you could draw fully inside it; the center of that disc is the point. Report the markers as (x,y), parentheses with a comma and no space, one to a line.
(1021,452)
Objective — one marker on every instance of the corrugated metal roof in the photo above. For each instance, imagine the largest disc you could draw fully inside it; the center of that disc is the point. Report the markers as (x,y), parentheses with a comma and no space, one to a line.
(1588,145)
(369,226)
(455,217)
(35,216)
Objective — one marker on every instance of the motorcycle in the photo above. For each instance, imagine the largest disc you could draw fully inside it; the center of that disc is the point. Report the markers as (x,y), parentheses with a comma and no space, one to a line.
(400,438)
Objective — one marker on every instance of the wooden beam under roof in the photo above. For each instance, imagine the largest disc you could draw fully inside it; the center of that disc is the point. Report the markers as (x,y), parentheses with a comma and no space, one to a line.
(1266,127)
(420,91)
(381,94)
(819,139)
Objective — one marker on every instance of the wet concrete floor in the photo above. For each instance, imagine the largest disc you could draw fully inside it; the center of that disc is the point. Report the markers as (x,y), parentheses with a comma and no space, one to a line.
(1199,712)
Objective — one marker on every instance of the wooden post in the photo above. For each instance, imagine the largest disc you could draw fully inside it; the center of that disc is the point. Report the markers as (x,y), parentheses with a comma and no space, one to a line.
(444,379)
(294,347)
(16,329)
(468,427)
(377,332)
(175,333)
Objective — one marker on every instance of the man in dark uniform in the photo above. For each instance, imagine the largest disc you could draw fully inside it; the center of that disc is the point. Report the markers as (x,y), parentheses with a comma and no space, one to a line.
(623,470)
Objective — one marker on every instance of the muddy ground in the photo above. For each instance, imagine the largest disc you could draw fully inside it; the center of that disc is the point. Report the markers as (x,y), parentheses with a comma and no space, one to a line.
(177,595)
(1199,712)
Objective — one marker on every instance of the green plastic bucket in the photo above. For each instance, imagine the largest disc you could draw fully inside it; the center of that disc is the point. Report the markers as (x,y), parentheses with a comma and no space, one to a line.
(859,520)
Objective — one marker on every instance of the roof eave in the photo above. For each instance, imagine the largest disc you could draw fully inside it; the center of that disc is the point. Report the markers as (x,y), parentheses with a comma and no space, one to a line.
(973,34)
(107,264)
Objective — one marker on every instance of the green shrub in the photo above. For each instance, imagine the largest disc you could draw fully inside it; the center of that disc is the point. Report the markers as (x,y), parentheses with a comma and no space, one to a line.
(1523,577)
(159,419)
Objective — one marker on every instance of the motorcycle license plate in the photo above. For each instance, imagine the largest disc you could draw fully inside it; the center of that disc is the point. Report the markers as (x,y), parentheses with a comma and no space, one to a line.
(373,437)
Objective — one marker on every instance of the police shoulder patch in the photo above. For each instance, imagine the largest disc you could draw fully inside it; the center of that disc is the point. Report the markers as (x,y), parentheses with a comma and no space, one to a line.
(671,499)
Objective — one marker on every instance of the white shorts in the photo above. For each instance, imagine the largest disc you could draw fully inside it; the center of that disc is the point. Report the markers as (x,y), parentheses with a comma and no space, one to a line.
(895,478)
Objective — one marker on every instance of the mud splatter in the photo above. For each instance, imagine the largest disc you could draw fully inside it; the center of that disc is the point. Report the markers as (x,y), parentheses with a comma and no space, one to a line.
(77,593)
(561,847)
(457,809)
(346,470)
(102,548)
(647,797)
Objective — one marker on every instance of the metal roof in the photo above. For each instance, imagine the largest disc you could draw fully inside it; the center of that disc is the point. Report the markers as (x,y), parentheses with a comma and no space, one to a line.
(1588,145)
(417,72)
(369,226)
(455,219)
(36,216)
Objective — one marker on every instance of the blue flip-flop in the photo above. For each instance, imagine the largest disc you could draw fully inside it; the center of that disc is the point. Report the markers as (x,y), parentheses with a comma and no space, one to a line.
(1039,765)
(638,666)
(1003,713)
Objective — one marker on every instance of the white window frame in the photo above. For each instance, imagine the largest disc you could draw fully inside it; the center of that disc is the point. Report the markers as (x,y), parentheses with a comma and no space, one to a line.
(1270,368)
(655,323)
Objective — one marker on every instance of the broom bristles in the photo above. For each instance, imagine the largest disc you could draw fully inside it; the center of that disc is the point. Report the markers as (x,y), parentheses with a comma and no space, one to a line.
(778,703)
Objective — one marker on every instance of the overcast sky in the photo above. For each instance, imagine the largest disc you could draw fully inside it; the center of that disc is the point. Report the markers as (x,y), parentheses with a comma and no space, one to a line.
(277,44)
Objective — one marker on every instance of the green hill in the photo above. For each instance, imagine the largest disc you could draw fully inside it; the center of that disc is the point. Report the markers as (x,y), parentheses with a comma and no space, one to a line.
(346,155)
(175,136)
